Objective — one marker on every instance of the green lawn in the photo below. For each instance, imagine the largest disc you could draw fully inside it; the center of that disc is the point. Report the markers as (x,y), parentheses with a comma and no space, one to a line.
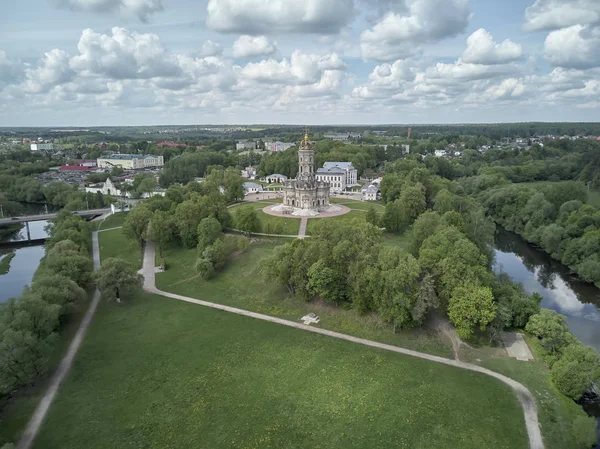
(362,205)
(242,284)
(268,223)
(556,412)
(116,244)
(112,221)
(401,240)
(158,373)
(339,219)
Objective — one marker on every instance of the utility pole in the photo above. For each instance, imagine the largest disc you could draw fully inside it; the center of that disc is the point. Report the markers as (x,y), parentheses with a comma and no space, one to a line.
(1,211)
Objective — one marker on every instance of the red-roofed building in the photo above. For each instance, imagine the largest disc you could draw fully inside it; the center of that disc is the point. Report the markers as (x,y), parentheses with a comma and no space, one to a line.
(75,168)
(170,144)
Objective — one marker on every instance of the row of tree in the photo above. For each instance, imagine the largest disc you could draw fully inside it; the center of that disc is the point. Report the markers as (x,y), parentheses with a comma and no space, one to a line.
(29,324)
(555,218)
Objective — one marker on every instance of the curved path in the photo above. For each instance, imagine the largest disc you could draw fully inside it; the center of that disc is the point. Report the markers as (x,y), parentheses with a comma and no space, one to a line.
(525,397)
(35,422)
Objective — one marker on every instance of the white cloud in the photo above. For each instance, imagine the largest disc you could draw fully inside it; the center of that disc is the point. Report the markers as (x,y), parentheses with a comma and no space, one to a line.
(10,70)
(301,68)
(555,14)
(210,48)
(508,89)
(398,36)
(123,55)
(139,8)
(482,49)
(575,47)
(275,16)
(52,70)
(253,46)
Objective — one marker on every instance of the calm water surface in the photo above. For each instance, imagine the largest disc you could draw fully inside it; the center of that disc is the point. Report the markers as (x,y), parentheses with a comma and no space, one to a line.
(561,290)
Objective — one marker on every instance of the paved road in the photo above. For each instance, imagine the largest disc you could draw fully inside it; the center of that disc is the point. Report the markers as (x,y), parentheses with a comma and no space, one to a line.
(34,424)
(525,397)
(40,217)
(302,231)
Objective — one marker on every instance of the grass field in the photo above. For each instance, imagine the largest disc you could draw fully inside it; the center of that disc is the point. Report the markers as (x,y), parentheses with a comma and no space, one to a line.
(268,223)
(115,243)
(242,284)
(346,218)
(112,221)
(556,412)
(158,373)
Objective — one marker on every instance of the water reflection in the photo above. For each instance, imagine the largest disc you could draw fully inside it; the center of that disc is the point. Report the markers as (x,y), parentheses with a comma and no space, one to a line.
(22,268)
(36,231)
(561,290)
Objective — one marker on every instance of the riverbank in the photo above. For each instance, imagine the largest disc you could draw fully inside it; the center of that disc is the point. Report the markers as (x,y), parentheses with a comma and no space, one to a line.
(54,286)
(5,263)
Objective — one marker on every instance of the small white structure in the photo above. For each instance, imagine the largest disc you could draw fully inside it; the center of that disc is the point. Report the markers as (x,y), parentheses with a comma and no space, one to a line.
(278,146)
(245,145)
(310,319)
(439,153)
(249,173)
(339,175)
(106,188)
(276,178)
(405,149)
(130,161)
(370,193)
(252,187)
(42,146)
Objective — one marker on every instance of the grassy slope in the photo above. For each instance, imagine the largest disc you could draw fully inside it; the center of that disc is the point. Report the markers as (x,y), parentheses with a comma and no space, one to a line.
(243,285)
(15,413)
(339,219)
(116,243)
(556,412)
(291,226)
(112,221)
(157,373)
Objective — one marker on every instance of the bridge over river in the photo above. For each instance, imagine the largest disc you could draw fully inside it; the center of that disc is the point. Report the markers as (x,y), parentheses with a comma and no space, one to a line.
(50,216)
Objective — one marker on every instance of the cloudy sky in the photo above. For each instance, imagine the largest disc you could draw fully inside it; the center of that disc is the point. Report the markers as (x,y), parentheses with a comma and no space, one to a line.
(143,62)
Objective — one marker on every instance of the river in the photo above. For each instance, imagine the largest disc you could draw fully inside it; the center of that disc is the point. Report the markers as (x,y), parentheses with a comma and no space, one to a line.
(26,259)
(560,290)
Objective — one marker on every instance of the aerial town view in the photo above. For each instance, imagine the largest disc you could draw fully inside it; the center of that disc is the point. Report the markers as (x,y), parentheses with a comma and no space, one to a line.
(245,224)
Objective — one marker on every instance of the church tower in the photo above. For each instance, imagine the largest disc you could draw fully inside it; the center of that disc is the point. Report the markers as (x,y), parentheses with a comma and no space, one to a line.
(305,196)
(306,161)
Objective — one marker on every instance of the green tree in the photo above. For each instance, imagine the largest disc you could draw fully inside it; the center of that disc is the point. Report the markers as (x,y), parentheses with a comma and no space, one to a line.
(188,215)
(215,253)
(136,223)
(577,370)
(205,268)
(147,185)
(551,328)
(413,201)
(209,231)
(161,229)
(115,277)
(393,217)
(326,282)
(443,202)
(471,306)
(246,219)
(372,216)
(65,259)
(59,290)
